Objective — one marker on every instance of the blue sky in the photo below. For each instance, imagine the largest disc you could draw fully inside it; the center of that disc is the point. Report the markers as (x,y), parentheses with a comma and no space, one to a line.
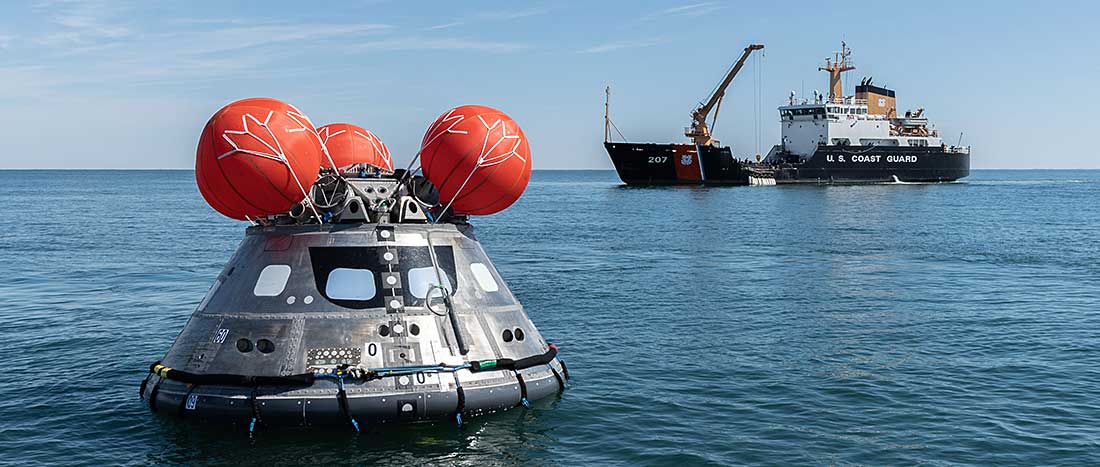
(129,84)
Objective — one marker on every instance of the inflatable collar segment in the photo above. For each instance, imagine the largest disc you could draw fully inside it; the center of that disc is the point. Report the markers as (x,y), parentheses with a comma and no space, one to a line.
(340,374)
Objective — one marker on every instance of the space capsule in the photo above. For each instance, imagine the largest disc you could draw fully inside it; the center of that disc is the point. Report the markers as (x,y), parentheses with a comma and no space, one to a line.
(355,298)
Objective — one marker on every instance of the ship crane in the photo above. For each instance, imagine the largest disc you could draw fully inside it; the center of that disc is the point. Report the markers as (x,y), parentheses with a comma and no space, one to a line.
(698,131)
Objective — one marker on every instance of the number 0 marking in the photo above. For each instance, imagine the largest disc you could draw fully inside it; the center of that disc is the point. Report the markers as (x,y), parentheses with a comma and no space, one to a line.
(372,349)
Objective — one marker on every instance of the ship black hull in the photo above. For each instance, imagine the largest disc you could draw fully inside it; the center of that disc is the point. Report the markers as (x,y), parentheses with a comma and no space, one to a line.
(679,164)
(875,164)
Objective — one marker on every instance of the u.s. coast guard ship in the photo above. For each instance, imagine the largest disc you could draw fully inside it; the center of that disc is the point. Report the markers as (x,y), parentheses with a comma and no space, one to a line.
(825,139)
(860,138)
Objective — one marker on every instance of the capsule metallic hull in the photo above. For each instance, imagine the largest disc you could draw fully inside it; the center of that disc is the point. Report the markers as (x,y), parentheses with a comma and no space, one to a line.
(333,299)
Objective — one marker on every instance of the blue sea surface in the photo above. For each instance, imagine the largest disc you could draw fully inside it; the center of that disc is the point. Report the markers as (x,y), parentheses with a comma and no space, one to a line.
(878,324)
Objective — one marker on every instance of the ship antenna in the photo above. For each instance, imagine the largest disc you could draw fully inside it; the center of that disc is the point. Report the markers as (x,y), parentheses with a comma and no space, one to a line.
(607,114)
(608,125)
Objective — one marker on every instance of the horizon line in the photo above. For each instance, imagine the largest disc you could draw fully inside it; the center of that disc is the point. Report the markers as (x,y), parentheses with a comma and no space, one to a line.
(589,169)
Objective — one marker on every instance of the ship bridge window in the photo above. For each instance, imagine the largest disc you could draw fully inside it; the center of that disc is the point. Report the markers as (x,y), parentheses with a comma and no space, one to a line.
(272,280)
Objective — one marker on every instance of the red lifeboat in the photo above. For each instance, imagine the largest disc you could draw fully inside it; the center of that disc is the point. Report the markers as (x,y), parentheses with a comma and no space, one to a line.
(257,157)
(478,158)
(349,145)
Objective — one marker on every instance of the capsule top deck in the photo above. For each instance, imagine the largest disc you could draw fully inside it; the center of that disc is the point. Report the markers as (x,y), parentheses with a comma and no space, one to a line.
(363,198)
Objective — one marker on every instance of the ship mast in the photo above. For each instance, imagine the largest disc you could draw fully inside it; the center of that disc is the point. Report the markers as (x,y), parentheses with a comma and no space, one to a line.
(606,115)
(835,66)
(698,131)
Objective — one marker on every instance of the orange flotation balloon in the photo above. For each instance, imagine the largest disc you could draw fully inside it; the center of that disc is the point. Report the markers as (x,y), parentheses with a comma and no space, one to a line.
(478,158)
(257,157)
(349,144)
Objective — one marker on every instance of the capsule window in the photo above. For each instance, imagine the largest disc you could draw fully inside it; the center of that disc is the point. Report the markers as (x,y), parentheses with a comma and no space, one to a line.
(483,277)
(272,280)
(423,280)
(350,284)
(353,277)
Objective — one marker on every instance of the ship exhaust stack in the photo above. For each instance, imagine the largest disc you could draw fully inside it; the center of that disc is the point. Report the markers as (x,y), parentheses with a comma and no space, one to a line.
(880,101)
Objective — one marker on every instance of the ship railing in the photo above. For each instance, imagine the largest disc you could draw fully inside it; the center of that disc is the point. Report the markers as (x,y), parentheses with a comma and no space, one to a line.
(958,150)
(847,100)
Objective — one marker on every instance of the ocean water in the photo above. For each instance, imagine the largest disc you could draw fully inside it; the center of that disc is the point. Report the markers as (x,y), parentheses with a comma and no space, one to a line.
(886,324)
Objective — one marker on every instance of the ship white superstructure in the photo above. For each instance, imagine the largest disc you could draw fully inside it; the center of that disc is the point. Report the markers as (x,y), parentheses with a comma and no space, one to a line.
(846,121)
(867,119)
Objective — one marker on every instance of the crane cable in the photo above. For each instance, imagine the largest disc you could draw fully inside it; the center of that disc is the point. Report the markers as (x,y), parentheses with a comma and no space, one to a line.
(756,104)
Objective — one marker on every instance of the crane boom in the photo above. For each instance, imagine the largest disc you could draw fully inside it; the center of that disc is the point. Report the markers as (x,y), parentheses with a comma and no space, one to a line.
(699,132)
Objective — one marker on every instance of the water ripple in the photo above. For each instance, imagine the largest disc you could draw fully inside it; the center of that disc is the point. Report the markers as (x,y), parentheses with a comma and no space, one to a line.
(885,324)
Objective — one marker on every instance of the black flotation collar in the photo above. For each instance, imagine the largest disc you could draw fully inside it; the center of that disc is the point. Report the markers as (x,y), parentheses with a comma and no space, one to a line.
(306,379)
(510,364)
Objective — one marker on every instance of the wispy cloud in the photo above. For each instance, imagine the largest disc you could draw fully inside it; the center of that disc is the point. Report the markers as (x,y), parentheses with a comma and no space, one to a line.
(510,15)
(688,8)
(694,9)
(419,43)
(491,16)
(81,21)
(447,25)
(245,37)
(82,47)
(620,45)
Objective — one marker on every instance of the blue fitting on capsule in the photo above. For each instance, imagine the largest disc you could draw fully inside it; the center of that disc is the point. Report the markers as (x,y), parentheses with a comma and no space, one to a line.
(355,424)
(525,402)
(326,216)
(458,419)
(252,426)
